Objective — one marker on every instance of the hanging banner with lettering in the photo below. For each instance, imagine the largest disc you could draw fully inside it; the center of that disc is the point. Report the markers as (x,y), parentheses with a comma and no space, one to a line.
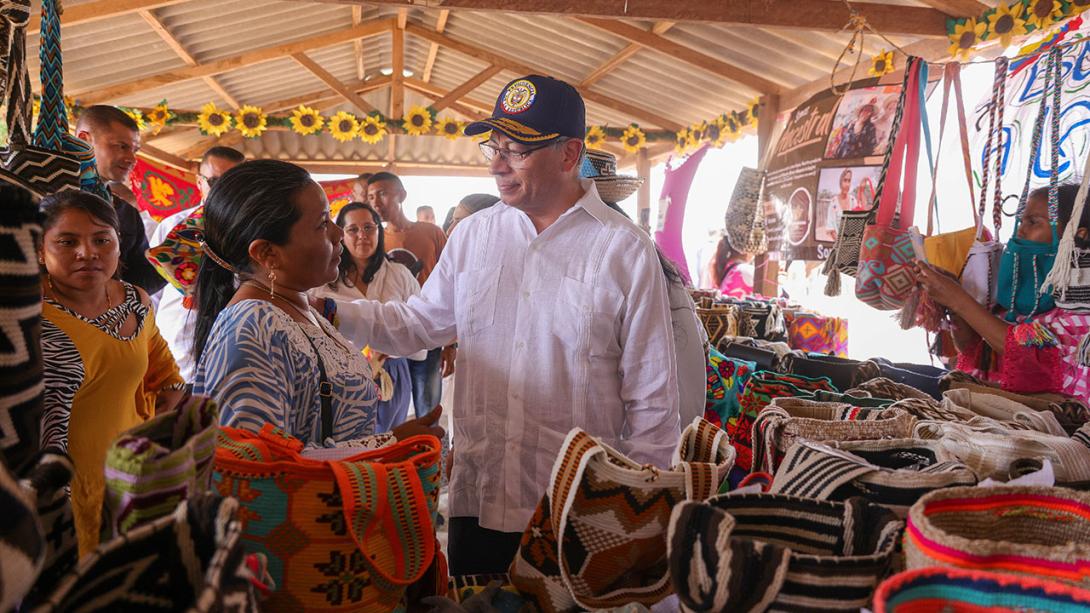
(161,190)
(827,161)
(1025,80)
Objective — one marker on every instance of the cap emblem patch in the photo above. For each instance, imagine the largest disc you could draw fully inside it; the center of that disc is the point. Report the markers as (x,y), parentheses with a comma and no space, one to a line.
(518,97)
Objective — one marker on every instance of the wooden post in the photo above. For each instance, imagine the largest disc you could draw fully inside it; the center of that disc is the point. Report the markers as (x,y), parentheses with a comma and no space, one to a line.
(643,196)
(766,277)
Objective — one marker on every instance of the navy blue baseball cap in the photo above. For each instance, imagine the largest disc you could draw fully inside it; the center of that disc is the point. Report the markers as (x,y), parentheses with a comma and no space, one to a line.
(535,109)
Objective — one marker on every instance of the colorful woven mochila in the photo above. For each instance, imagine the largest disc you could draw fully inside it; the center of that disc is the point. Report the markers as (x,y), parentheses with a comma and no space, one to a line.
(758,552)
(727,379)
(953,590)
(597,539)
(340,535)
(1042,531)
(158,464)
(759,392)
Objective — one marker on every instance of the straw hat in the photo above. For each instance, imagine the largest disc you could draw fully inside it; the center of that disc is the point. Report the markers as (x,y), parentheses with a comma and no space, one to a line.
(612,187)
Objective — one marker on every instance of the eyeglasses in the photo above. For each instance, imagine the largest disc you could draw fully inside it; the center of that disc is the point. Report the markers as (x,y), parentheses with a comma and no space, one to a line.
(513,158)
(367,228)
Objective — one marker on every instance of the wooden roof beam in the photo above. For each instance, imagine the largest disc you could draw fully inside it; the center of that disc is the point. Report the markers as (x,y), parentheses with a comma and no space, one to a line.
(470,108)
(462,90)
(198,148)
(333,82)
(179,49)
(325,96)
(433,52)
(685,54)
(958,8)
(102,9)
(169,159)
(397,87)
(513,65)
(889,19)
(96,95)
(621,56)
(357,45)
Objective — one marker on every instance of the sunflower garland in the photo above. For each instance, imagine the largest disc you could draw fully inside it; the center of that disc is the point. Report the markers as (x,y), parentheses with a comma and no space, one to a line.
(138,117)
(344,126)
(881,64)
(372,129)
(449,128)
(213,121)
(417,121)
(252,121)
(595,137)
(305,120)
(1007,22)
(681,141)
(716,133)
(633,139)
(159,116)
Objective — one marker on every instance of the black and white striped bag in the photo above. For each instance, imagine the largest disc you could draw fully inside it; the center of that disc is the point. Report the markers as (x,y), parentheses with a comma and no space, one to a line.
(758,552)
(894,473)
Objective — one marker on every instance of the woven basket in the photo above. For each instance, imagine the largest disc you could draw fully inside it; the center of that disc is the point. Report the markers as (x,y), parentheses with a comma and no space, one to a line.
(1026,530)
(758,552)
(965,591)
(787,421)
(719,321)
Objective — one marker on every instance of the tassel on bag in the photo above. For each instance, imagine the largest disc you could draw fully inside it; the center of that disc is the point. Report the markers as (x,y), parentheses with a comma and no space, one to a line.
(1067,255)
(832,276)
(907,316)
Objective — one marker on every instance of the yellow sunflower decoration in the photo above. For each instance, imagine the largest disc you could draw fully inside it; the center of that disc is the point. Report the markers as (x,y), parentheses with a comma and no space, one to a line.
(449,128)
(213,121)
(965,37)
(1006,23)
(595,137)
(716,132)
(252,121)
(138,117)
(755,109)
(372,129)
(633,139)
(881,64)
(681,142)
(159,116)
(697,132)
(1043,13)
(305,120)
(36,106)
(417,121)
(344,126)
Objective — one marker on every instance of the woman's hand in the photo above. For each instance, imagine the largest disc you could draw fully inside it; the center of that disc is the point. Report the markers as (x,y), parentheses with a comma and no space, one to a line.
(167,400)
(941,286)
(428,424)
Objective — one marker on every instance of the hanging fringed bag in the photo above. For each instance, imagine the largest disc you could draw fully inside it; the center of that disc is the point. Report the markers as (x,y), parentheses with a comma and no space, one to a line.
(745,219)
(844,257)
(886,275)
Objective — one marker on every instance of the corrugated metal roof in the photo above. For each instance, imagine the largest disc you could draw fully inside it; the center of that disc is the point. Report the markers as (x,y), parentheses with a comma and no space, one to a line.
(124,48)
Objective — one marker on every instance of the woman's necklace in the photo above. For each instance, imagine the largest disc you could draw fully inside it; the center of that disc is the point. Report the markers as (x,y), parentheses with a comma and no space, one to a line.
(307,315)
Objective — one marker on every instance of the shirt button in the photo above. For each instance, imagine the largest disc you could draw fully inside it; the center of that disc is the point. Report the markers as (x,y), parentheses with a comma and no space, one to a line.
(526,295)
(520,345)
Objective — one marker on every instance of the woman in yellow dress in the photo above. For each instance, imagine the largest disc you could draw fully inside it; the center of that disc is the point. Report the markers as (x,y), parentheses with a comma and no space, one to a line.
(106,367)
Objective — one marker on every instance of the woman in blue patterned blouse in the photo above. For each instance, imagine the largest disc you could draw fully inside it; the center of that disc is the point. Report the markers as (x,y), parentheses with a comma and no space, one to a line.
(262,352)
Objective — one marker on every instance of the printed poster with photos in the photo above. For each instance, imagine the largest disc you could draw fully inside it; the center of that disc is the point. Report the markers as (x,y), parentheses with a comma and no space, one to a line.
(827,161)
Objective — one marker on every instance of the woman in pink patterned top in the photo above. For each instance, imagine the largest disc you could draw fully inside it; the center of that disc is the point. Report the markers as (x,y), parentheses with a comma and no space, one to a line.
(1038,354)
(732,272)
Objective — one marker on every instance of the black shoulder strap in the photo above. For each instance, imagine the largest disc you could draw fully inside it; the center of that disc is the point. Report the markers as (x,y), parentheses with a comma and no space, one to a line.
(325,391)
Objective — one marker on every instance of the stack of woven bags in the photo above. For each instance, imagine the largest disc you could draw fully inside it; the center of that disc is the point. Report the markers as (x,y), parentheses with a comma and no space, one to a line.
(773,324)
(832,485)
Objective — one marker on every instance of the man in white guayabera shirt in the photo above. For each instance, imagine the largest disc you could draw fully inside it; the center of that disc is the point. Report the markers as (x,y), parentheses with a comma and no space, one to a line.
(560,310)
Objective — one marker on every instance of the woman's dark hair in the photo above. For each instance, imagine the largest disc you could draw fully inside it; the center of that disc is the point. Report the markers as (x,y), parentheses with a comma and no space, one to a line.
(1066,194)
(252,201)
(348,265)
(725,255)
(55,205)
(669,270)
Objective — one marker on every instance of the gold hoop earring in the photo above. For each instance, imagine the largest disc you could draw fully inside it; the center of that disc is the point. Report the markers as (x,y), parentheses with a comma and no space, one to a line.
(49,281)
(272,284)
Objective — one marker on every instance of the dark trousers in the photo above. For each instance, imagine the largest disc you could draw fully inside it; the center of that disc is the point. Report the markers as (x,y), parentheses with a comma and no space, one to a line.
(473,550)
(427,382)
